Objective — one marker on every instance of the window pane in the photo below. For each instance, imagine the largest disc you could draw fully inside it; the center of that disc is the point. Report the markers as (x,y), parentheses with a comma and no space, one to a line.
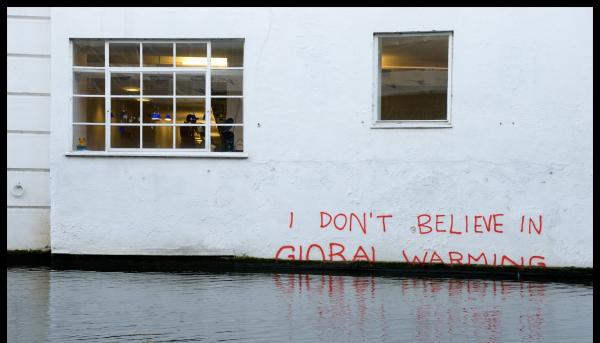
(190,137)
(88,83)
(191,55)
(157,137)
(125,84)
(227,111)
(226,82)
(88,110)
(88,53)
(125,110)
(157,111)
(124,54)
(88,137)
(191,84)
(158,54)
(158,84)
(227,138)
(190,110)
(227,53)
(122,137)
(414,77)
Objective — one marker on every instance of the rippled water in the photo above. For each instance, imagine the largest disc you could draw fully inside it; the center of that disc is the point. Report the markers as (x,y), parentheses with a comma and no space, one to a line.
(68,306)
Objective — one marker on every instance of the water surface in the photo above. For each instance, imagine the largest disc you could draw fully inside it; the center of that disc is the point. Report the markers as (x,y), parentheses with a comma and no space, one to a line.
(46,305)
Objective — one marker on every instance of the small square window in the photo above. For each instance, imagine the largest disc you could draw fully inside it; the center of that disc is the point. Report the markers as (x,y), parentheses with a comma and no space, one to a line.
(413,73)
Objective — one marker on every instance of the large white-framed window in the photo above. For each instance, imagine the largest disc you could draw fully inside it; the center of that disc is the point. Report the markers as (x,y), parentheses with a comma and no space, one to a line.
(413,79)
(157,97)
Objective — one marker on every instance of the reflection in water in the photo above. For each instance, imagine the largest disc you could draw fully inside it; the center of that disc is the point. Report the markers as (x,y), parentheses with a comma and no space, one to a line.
(66,306)
(27,305)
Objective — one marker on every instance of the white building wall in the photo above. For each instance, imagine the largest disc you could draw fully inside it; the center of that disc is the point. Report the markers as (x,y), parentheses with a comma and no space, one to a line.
(521,141)
(28,127)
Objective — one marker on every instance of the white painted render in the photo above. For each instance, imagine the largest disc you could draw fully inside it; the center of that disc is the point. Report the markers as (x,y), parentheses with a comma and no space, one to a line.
(28,128)
(520,141)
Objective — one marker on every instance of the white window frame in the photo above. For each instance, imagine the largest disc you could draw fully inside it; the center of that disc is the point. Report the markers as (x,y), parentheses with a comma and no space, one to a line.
(377,123)
(154,152)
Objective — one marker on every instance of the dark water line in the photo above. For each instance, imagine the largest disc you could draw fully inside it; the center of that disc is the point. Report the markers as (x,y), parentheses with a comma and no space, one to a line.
(217,264)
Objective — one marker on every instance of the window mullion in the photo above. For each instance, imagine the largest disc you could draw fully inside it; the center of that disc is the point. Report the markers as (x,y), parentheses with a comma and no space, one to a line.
(378,78)
(173,119)
(141,97)
(107,102)
(207,103)
(71,90)
(449,81)
(141,118)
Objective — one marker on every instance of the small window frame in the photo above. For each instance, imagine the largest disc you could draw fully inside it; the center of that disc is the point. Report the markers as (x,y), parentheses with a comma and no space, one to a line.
(377,123)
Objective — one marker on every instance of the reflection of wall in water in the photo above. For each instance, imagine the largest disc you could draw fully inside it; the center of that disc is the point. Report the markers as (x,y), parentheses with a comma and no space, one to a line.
(29,293)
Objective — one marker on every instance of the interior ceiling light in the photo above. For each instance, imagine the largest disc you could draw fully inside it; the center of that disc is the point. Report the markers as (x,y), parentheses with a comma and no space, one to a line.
(131,89)
(413,67)
(203,61)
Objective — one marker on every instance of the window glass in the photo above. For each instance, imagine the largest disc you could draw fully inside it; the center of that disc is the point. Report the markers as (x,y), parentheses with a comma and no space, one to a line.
(227,53)
(226,82)
(124,55)
(158,84)
(413,77)
(157,137)
(190,137)
(191,84)
(227,111)
(157,110)
(88,53)
(190,110)
(125,136)
(125,110)
(158,54)
(90,83)
(227,138)
(88,137)
(88,110)
(191,55)
(125,84)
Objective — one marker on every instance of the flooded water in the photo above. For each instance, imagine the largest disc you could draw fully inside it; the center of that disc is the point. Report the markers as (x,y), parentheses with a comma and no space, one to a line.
(68,306)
